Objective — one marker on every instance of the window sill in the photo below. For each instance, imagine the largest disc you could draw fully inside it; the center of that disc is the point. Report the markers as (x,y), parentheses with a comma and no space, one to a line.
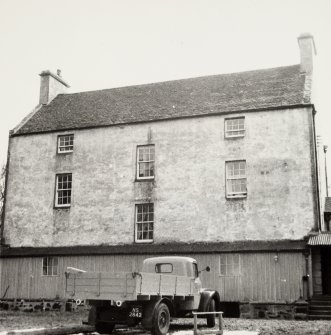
(144,241)
(144,179)
(239,196)
(62,207)
(65,152)
(233,137)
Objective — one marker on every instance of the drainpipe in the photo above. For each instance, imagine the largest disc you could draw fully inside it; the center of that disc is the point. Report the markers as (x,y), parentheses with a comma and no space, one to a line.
(316,174)
(2,239)
(325,149)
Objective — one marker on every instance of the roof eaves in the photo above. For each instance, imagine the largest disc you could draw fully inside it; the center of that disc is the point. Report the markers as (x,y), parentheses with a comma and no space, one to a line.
(261,109)
(159,249)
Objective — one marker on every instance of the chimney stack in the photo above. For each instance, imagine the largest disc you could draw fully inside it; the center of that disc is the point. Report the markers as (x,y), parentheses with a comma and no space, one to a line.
(307,48)
(50,86)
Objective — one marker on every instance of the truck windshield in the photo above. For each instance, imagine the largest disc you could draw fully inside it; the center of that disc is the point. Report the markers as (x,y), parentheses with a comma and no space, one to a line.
(163,268)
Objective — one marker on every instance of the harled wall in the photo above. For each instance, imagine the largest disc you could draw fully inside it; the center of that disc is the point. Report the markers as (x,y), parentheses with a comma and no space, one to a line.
(189,187)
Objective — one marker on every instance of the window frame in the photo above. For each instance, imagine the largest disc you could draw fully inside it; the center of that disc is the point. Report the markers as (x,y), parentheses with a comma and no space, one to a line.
(67,151)
(158,266)
(226,131)
(235,195)
(50,260)
(149,161)
(141,222)
(230,263)
(56,197)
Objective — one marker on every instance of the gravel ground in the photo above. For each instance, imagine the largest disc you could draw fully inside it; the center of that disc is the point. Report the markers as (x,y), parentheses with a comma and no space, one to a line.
(21,320)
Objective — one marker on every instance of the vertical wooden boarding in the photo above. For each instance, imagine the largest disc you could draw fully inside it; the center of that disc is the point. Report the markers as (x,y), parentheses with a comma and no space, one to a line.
(268,277)
(260,276)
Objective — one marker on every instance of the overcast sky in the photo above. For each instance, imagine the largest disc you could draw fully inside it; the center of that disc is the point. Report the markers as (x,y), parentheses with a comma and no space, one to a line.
(102,44)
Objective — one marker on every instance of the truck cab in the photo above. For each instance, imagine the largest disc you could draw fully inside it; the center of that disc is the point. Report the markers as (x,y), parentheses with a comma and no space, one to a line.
(177,266)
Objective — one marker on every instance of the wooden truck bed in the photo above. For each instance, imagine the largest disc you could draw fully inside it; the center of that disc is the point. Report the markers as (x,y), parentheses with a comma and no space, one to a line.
(126,285)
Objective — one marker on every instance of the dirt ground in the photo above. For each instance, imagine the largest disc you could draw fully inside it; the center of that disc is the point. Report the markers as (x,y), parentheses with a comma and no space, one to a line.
(10,320)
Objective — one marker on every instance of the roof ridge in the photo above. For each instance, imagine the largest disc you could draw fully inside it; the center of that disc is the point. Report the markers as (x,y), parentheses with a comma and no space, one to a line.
(183,79)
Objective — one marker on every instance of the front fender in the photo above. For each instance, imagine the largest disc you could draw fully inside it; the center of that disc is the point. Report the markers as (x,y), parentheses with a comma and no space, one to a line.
(205,296)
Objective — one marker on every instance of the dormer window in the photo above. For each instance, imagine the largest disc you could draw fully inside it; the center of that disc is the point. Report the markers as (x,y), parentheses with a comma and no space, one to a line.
(65,144)
(235,127)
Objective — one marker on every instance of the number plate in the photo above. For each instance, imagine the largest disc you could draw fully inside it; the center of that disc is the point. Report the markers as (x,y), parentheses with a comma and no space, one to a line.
(135,312)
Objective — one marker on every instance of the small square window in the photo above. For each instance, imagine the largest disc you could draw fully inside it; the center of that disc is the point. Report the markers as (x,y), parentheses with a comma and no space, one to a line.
(163,268)
(230,265)
(63,190)
(236,181)
(235,127)
(144,222)
(50,266)
(65,144)
(145,162)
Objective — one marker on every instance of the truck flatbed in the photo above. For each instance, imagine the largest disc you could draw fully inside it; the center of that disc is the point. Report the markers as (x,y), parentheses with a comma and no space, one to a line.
(126,285)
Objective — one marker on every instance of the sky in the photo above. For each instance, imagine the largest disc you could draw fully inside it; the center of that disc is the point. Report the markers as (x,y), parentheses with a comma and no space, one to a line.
(102,44)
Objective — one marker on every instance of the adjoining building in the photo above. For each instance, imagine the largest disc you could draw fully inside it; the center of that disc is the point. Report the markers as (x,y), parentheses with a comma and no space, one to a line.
(221,168)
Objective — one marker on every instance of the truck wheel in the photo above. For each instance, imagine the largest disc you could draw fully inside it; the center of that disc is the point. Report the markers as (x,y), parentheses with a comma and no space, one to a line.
(211,317)
(92,316)
(104,327)
(161,320)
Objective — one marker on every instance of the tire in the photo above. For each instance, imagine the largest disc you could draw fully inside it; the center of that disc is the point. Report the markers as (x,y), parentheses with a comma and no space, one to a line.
(161,320)
(92,316)
(211,317)
(104,327)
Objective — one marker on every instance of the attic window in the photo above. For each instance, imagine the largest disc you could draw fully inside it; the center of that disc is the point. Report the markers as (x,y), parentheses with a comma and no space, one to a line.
(235,127)
(65,144)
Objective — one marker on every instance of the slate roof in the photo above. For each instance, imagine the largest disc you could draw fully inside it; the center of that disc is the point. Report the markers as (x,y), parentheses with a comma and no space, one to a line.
(267,88)
(327,208)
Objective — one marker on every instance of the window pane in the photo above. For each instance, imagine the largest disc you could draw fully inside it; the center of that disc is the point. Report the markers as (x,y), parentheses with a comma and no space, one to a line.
(65,143)
(235,127)
(50,266)
(163,268)
(64,186)
(236,178)
(145,161)
(144,221)
(230,265)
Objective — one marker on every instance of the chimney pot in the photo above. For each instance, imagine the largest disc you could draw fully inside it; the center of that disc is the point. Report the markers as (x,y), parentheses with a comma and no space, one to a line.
(58,72)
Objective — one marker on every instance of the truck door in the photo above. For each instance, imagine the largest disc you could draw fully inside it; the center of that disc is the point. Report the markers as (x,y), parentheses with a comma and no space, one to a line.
(197,286)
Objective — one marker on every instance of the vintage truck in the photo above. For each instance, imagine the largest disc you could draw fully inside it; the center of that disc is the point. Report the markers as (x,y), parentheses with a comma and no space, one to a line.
(166,287)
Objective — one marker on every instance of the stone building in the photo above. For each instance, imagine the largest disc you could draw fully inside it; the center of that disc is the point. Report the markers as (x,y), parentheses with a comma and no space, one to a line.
(222,168)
